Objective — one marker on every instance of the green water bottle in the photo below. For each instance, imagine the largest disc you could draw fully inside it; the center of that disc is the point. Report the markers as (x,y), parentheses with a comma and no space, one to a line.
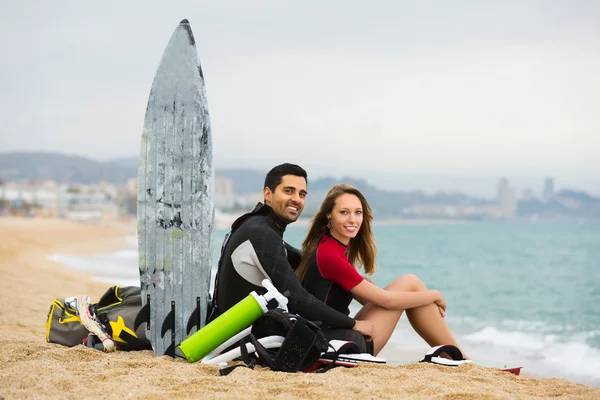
(230,323)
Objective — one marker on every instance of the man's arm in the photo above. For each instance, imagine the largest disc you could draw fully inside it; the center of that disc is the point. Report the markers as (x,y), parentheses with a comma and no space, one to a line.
(294,255)
(271,258)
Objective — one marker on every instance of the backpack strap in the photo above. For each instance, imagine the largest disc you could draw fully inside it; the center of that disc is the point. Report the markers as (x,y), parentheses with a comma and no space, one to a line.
(300,343)
(265,356)
(333,356)
(248,360)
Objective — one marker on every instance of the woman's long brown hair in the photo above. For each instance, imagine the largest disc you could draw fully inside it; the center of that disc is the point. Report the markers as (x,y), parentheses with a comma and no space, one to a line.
(361,249)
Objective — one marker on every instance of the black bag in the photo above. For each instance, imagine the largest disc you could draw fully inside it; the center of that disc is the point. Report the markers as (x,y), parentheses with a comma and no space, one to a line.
(116,311)
(303,345)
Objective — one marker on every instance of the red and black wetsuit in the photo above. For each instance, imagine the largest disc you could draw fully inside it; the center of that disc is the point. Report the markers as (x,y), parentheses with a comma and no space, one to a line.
(329,278)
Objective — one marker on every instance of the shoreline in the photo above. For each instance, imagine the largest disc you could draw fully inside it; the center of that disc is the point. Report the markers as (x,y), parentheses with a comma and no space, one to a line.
(31,367)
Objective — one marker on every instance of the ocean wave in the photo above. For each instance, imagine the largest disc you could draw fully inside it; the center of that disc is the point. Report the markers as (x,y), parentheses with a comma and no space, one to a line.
(131,241)
(115,268)
(125,254)
(72,262)
(547,352)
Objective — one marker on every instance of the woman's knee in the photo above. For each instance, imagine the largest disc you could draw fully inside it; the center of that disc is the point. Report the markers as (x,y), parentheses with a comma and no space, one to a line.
(408,282)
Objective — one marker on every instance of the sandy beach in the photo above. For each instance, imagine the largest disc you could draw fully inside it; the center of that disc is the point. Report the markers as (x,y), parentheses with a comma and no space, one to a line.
(32,368)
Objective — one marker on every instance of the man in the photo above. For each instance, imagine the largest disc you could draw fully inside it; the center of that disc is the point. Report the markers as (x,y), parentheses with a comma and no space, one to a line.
(255,250)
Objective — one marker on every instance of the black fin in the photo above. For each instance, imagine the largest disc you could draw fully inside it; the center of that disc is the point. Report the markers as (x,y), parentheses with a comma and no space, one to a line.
(194,318)
(169,322)
(170,351)
(143,316)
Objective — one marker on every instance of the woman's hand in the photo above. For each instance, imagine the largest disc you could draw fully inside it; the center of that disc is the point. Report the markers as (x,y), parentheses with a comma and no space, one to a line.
(442,312)
(366,328)
(441,302)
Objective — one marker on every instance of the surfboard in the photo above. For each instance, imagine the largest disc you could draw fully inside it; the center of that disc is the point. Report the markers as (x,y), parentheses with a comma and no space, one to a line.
(175,207)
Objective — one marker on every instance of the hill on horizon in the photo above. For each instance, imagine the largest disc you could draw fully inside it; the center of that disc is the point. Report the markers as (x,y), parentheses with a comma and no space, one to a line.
(62,168)
(75,169)
(70,169)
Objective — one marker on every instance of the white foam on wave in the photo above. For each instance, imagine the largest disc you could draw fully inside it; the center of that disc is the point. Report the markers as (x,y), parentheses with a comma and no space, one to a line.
(127,254)
(560,354)
(119,267)
(114,268)
(131,241)
(513,340)
(545,354)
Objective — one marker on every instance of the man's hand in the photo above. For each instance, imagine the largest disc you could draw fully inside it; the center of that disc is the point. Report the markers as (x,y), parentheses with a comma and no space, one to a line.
(366,328)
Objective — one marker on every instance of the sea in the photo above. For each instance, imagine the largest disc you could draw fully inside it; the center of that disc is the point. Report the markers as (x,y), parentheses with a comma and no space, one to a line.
(519,293)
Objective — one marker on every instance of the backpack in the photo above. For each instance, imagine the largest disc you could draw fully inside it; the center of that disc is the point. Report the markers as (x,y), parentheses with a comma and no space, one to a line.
(114,314)
(302,346)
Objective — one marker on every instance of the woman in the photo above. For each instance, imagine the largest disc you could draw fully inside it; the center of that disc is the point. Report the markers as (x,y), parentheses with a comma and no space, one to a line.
(340,238)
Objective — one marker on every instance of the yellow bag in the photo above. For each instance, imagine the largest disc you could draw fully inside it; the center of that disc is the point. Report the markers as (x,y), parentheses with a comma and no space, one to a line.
(115,312)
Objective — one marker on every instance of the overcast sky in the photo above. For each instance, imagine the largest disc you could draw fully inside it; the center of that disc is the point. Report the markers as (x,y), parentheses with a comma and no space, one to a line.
(430,94)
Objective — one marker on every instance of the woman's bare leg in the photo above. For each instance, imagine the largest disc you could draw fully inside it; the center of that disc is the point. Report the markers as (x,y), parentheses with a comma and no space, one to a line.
(425,320)
(385,322)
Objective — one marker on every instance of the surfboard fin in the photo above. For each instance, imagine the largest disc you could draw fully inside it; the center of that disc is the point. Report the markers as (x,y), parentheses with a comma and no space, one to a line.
(194,319)
(169,322)
(170,351)
(143,316)
(169,325)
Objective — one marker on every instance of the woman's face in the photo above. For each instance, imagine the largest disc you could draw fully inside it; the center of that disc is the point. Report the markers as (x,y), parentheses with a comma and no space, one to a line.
(346,218)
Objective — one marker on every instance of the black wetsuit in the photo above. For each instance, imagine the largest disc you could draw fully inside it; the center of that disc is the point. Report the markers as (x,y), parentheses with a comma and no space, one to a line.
(255,250)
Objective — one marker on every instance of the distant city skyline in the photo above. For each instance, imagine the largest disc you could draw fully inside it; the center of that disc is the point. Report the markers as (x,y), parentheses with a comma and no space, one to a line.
(475,183)
(103,199)
(408,95)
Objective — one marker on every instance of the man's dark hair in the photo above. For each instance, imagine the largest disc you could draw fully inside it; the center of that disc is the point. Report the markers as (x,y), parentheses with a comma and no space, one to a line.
(273,178)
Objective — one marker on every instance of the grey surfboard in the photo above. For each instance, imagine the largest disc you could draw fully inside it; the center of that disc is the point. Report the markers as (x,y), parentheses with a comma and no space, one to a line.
(175,198)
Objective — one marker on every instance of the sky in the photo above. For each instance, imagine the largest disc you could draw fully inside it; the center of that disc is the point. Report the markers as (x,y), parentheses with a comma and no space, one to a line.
(448,95)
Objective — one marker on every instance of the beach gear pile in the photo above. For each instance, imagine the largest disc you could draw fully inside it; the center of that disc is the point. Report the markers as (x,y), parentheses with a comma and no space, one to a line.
(106,325)
(277,340)
(301,343)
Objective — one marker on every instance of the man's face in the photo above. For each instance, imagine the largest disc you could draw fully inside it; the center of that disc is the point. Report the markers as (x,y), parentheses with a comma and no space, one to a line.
(287,201)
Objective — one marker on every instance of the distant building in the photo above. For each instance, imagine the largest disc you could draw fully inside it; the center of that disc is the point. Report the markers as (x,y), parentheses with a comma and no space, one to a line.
(132,187)
(548,190)
(508,205)
(528,195)
(224,197)
(500,188)
(108,189)
(248,200)
(43,193)
(70,201)
(507,199)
